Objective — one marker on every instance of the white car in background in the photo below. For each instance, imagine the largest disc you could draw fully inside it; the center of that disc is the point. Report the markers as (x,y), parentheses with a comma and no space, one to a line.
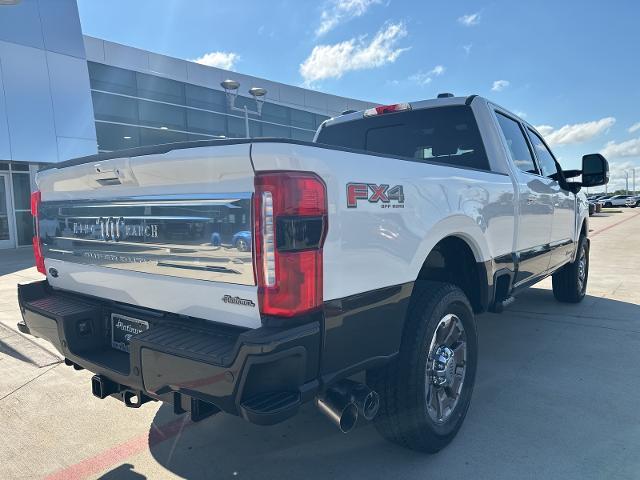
(616,201)
(633,201)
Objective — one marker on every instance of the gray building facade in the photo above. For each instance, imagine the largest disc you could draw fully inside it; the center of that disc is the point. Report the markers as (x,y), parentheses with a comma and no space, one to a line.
(143,98)
(46,113)
(65,95)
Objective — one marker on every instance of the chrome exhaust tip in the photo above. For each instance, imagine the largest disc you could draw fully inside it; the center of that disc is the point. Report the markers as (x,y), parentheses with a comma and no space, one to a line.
(345,401)
(367,401)
(339,409)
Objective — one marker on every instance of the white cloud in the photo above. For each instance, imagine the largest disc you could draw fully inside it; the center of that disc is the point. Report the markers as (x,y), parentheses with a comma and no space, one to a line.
(333,61)
(575,133)
(634,128)
(437,70)
(630,148)
(545,130)
(225,60)
(339,11)
(618,175)
(467,48)
(424,78)
(470,19)
(500,85)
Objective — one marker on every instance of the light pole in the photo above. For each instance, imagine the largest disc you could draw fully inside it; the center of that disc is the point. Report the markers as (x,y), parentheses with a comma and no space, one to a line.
(627,181)
(231,90)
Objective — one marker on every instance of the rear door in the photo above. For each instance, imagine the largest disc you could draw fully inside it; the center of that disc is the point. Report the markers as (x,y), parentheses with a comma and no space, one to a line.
(564,204)
(535,203)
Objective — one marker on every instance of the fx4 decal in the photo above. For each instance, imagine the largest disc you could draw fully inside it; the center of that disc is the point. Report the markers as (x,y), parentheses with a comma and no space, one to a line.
(375,193)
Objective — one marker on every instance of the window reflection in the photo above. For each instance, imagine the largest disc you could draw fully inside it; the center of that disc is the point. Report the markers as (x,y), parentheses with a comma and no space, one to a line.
(179,111)
(24,224)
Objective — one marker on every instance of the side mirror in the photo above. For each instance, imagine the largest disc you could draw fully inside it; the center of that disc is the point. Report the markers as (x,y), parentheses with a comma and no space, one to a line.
(595,170)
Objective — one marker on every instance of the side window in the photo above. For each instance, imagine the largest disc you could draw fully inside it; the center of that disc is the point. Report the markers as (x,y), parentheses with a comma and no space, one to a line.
(517,143)
(545,157)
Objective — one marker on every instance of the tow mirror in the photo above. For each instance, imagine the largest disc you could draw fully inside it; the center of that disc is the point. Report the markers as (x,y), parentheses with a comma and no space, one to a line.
(595,170)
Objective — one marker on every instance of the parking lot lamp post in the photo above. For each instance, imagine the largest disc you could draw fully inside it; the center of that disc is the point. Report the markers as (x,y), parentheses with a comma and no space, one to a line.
(627,182)
(231,91)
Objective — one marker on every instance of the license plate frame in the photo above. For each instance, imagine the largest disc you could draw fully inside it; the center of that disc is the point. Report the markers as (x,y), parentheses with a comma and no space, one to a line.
(122,331)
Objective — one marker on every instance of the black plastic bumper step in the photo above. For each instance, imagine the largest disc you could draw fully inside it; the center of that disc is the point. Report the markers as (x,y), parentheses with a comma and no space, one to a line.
(58,306)
(215,348)
(271,407)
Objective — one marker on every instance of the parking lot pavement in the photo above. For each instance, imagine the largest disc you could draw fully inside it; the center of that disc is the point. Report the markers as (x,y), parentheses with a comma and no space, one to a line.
(557,395)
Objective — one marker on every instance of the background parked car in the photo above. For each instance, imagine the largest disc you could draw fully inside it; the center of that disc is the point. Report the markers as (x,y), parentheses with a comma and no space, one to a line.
(616,201)
(242,241)
(633,202)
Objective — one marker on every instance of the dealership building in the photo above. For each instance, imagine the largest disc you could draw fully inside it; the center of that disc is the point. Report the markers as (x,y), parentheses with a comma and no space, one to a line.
(65,95)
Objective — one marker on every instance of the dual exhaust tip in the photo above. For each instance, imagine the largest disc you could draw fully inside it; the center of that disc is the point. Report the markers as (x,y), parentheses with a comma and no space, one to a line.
(345,401)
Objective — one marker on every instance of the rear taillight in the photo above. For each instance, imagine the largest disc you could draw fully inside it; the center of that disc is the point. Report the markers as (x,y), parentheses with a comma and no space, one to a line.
(290,212)
(37,247)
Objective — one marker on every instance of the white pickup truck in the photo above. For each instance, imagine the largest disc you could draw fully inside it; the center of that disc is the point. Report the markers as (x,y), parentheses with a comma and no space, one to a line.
(252,276)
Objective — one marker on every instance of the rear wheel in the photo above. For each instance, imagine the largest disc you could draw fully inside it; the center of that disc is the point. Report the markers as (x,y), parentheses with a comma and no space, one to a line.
(425,393)
(608,205)
(570,282)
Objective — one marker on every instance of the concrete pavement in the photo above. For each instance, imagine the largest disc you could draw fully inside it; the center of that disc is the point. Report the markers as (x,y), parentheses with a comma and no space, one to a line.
(557,395)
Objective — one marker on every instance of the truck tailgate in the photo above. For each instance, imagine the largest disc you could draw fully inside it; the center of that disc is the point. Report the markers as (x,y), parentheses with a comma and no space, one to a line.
(167,231)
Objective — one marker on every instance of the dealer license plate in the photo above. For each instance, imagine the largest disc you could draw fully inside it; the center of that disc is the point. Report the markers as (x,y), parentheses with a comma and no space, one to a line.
(123,328)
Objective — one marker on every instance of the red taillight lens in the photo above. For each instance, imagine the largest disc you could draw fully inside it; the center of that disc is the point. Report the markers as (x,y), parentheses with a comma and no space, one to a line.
(290,211)
(36,197)
(37,248)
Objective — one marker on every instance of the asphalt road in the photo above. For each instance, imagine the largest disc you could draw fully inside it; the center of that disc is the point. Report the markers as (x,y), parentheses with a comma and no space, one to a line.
(557,396)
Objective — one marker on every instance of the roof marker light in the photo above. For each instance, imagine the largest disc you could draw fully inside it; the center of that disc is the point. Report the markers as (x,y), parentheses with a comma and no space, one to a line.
(382,109)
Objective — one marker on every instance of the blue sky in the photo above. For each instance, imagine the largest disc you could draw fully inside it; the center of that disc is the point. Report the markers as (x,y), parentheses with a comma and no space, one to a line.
(571,68)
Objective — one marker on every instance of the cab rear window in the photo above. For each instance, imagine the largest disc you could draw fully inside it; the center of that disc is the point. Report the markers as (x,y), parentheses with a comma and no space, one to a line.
(447,135)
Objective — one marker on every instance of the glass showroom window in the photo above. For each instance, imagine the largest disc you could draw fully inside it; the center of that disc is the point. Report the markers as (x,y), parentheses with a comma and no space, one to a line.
(112,79)
(21,202)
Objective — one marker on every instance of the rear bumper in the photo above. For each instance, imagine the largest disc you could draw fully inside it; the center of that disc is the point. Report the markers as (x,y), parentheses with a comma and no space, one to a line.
(262,374)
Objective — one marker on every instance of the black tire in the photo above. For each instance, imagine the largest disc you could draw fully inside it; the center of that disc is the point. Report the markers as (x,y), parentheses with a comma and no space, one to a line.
(570,283)
(402,385)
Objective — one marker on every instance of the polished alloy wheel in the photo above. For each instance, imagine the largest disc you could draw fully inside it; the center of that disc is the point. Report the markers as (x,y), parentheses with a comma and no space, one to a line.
(582,268)
(446,367)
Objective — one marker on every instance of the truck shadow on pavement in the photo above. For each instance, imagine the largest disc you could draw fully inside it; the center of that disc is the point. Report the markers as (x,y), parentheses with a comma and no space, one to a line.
(539,380)
(123,472)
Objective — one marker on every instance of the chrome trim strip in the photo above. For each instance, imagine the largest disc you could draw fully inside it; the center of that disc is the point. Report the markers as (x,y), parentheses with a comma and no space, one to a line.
(152,234)
(185,198)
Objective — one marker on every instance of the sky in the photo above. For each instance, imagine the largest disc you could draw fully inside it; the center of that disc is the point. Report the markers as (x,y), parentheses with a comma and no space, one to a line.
(570,68)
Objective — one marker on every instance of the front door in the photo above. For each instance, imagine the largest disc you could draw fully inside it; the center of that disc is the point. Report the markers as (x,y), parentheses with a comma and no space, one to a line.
(6,214)
(564,203)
